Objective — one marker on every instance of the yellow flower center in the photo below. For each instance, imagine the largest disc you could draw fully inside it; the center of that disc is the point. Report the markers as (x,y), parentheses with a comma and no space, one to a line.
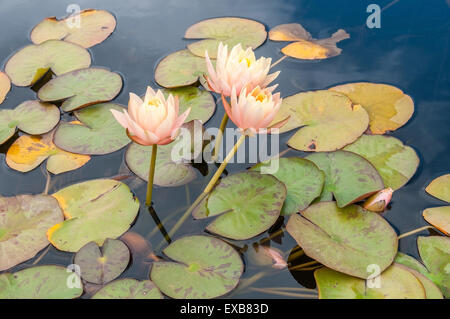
(259,95)
(154,102)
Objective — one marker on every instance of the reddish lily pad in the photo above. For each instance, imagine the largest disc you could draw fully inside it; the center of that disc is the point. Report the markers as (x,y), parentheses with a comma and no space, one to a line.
(348,239)
(94,27)
(228,30)
(29,64)
(24,221)
(439,217)
(5,86)
(204,267)
(440,188)
(348,176)
(81,88)
(247,204)
(129,289)
(98,133)
(102,265)
(302,178)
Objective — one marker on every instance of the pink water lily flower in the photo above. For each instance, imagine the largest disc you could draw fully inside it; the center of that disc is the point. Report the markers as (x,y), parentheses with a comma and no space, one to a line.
(239,68)
(154,121)
(379,201)
(255,110)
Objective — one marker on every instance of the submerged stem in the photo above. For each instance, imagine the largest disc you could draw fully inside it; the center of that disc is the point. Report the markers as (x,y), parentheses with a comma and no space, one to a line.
(412,232)
(151,175)
(284,293)
(310,263)
(278,61)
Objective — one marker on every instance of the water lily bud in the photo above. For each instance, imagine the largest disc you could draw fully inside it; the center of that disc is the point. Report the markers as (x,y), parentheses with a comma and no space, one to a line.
(379,201)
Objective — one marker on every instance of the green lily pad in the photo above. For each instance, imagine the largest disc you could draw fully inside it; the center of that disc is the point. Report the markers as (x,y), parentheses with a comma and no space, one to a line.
(41,282)
(180,68)
(81,88)
(328,120)
(348,239)
(101,266)
(23,225)
(95,26)
(302,178)
(439,217)
(204,267)
(435,253)
(388,107)
(248,203)
(95,210)
(396,282)
(129,289)
(440,188)
(395,162)
(30,63)
(167,172)
(32,117)
(201,102)
(411,263)
(98,133)
(5,86)
(348,176)
(228,30)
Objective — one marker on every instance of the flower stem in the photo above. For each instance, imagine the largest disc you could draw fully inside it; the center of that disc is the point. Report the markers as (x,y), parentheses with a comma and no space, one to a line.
(278,61)
(218,142)
(415,231)
(151,175)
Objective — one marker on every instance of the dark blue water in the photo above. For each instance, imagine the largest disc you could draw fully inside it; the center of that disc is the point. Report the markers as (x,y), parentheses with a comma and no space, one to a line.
(410,51)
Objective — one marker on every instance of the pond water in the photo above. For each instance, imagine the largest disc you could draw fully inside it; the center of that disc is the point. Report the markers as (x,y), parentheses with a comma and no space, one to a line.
(409,51)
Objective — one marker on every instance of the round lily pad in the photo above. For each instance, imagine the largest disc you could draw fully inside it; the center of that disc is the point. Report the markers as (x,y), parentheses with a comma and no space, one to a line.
(348,239)
(81,88)
(248,203)
(302,178)
(396,282)
(29,64)
(328,121)
(167,172)
(388,107)
(435,253)
(180,68)
(410,262)
(129,289)
(32,117)
(23,225)
(94,210)
(102,265)
(440,188)
(28,152)
(439,217)
(5,86)
(98,133)
(348,176)
(228,30)
(41,282)
(395,162)
(204,267)
(94,27)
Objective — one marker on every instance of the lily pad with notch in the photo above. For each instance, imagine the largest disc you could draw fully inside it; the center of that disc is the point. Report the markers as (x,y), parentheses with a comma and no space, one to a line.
(129,289)
(440,188)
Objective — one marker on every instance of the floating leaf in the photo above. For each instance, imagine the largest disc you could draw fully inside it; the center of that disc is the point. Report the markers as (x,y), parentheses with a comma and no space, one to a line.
(410,262)
(94,210)
(439,217)
(289,32)
(5,86)
(41,282)
(99,133)
(435,253)
(440,188)
(328,120)
(228,30)
(248,203)
(180,68)
(129,289)
(347,239)
(204,267)
(303,180)
(28,152)
(167,172)
(24,221)
(29,64)
(81,88)
(348,176)
(388,107)
(396,282)
(101,266)
(395,162)
(94,27)
(32,117)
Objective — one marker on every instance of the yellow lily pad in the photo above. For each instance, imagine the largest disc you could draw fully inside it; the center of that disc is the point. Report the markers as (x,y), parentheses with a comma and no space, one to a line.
(95,26)
(5,86)
(440,188)
(439,217)
(388,107)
